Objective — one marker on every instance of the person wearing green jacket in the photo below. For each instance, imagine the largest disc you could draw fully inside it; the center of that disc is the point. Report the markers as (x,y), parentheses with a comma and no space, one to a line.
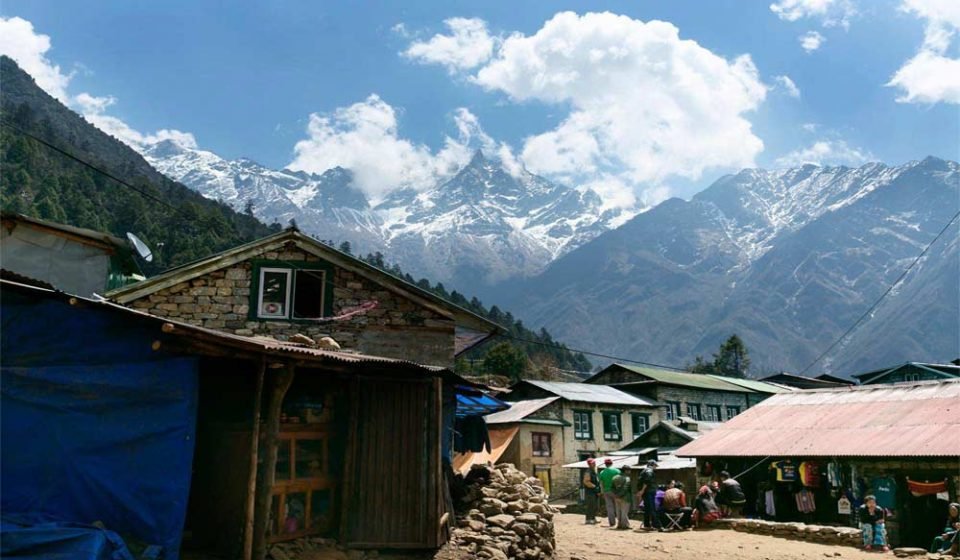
(606,480)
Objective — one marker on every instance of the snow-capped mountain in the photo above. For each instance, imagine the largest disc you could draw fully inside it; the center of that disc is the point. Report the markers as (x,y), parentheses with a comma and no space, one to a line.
(478,228)
(786,259)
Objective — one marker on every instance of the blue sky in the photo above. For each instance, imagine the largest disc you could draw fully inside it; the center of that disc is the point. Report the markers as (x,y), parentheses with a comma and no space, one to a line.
(244,80)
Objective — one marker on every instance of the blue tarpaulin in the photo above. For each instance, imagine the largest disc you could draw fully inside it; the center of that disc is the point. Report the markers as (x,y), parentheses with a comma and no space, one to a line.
(38,538)
(95,426)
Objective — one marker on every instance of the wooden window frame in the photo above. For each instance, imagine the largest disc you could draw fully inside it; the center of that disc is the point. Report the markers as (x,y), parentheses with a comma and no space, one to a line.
(577,434)
(261,273)
(619,417)
(534,436)
(634,416)
(718,417)
(672,409)
(732,407)
(695,411)
(291,268)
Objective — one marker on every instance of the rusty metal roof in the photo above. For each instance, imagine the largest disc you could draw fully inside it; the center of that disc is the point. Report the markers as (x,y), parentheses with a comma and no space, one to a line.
(907,420)
(168,327)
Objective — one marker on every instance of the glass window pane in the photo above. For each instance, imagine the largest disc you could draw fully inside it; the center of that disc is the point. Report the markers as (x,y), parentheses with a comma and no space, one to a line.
(310,458)
(295,513)
(283,461)
(273,293)
(308,294)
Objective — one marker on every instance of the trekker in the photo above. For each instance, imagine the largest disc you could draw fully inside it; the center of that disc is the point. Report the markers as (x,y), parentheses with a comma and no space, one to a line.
(610,500)
(731,498)
(872,524)
(623,492)
(648,490)
(948,541)
(591,491)
(675,501)
(705,508)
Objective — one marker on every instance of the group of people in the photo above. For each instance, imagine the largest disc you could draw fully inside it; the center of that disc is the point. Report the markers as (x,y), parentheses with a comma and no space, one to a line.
(615,488)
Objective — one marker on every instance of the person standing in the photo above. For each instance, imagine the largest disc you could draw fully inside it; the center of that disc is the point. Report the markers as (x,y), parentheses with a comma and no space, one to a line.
(606,480)
(648,489)
(591,491)
(624,494)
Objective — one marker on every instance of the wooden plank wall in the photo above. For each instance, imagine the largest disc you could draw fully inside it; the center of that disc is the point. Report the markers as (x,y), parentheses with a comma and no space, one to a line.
(393,498)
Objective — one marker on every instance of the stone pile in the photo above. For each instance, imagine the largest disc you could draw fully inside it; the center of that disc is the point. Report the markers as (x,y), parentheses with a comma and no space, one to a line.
(843,536)
(503,513)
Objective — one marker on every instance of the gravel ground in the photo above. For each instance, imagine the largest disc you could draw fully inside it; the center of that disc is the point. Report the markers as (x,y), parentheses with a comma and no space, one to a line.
(595,542)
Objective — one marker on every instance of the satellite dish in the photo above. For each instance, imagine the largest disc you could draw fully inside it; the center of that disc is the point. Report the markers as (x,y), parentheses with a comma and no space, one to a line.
(141,247)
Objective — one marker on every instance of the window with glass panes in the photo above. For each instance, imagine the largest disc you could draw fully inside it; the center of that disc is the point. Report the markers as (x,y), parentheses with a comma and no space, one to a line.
(612,430)
(582,424)
(672,410)
(290,293)
(641,423)
(713,413)
(693,411)
(541,444)
(732,411)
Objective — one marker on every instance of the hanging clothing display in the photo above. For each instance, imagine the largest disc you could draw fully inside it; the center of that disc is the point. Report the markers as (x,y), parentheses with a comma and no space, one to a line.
(885,489)
(786,470)
(833,474)
(805,501)
(770,506)
(810,474)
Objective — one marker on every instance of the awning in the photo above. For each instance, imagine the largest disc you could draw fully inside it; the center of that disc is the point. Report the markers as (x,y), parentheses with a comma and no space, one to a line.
(500,439)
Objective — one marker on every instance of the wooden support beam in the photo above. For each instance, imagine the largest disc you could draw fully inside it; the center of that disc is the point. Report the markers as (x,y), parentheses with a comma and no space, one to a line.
(248,525)
(281,383)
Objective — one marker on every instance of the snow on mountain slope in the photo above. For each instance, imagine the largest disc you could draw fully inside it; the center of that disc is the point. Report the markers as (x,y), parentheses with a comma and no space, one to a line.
(480,227)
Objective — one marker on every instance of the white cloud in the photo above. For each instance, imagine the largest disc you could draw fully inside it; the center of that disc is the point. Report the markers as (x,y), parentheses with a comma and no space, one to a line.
(825,152)
(364,137)
(644,104)
(22,43)
(788,86)
(810,127)
(19,41)
(811,41)
(831,13)
(468,45)
(931,76)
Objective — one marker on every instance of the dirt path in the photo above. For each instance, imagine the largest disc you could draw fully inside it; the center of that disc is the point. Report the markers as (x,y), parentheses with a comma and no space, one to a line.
(597,542)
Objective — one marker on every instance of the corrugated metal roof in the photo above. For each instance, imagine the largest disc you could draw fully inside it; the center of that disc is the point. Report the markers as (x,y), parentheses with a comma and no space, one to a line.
(600,394)
(757,386)
(695,380)
(918,419)
(518,411)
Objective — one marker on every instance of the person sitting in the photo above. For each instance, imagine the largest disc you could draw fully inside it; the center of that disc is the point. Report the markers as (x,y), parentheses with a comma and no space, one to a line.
(948,541)
(872,524)
(705,507)
(675,501)
(731,498)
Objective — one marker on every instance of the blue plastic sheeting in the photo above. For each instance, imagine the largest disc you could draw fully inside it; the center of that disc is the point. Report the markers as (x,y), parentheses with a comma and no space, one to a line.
(21,537)
(477,404)
(95,425)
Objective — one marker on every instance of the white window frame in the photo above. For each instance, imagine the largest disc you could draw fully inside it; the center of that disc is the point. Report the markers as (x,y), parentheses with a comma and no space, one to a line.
(286,305)
(541,435)
(710,417)
(737,408)
(645,418)
(585,421)
(695,411)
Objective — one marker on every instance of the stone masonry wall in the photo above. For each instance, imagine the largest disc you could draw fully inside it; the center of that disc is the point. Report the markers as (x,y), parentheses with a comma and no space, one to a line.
(683,395)
(396,328)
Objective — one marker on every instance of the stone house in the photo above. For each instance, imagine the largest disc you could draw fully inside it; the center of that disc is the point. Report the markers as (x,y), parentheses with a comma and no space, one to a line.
(584,420)
(910,371)
(709,398)
(289,283)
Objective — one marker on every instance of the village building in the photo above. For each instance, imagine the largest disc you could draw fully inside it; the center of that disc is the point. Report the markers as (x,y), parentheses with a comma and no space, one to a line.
(813,455)
(290,284)
(801,382)
(75,260)
(910,371)
(585,420)
(707,398)
(178,436)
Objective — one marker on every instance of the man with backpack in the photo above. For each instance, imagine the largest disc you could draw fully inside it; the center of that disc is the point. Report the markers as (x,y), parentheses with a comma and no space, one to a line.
(624,497)
(591,491)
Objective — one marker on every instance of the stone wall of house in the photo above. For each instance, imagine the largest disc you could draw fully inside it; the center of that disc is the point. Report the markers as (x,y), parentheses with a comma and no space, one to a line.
(684,395)
(396,328)
(568,480)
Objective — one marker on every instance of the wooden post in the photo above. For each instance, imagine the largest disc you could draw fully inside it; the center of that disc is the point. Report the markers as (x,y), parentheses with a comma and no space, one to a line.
(254,451)
(281,383)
